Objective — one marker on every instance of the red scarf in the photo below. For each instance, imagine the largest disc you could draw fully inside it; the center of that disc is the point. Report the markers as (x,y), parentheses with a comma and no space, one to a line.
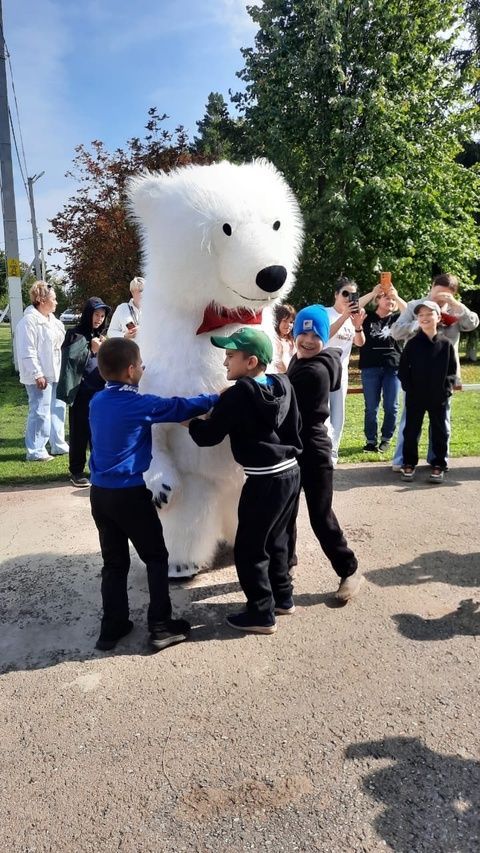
(215,316)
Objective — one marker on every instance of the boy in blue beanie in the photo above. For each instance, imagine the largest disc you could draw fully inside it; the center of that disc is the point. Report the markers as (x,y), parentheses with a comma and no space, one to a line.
(314,372)
(121,424)
(259,413)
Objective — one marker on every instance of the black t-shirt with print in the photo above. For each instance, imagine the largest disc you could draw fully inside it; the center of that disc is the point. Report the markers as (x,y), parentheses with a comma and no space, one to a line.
(380,349)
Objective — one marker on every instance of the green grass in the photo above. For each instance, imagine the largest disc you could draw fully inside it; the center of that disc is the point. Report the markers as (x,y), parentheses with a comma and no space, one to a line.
(14,470)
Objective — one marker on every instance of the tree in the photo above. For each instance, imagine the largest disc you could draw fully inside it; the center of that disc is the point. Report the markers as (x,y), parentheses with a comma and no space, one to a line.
(216,130)
(362,107)
(95,234)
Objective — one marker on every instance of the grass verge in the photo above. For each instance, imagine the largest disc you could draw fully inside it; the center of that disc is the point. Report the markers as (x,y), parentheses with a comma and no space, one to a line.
(15,470)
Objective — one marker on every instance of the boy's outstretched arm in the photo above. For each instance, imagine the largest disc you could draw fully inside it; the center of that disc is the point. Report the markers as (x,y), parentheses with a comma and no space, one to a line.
(207,433)
(176,409)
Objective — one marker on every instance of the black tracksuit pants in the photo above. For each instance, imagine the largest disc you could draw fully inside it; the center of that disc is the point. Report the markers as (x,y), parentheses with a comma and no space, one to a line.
(317,483)
(122,515)
(265,508)
(416,409)
(79,431)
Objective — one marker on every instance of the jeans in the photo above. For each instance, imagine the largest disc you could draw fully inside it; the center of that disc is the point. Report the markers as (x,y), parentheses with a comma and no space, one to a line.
(45,422)
(378,382)
(398,456)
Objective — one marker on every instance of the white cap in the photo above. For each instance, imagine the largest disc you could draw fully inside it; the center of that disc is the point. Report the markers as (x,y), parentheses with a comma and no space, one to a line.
(428,303)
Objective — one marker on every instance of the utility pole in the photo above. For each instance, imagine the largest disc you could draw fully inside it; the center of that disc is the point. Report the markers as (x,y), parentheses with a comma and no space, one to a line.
(33,219)
(8,198)
(42,258)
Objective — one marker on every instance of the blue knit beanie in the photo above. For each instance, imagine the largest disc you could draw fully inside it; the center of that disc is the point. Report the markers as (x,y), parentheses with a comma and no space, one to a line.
(313,318)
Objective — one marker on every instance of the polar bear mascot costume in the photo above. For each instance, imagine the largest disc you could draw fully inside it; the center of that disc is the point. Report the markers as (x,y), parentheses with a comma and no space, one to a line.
(221,245)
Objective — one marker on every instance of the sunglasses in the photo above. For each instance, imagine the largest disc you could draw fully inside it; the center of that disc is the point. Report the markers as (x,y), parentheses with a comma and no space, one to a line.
(346,293)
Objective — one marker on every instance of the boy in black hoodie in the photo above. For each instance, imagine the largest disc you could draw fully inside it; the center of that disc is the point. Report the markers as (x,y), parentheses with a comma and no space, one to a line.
(260,415)
(427,372)
(80,380)
(314,373)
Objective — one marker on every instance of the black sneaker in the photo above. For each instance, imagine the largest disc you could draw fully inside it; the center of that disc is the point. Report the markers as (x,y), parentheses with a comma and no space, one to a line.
(370,448)
(384,445)
(175,631)
(106,644)
(285,607)
(80,480)
(244,622)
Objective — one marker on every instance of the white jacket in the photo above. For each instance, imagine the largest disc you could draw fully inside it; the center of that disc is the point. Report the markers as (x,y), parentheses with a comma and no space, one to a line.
(123,314)
(38,342)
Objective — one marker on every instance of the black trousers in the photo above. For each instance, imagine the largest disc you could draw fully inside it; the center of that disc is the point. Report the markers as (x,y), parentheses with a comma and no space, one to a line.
(317,483)
(415,413)
(265,508)
(79,426)
(120,515)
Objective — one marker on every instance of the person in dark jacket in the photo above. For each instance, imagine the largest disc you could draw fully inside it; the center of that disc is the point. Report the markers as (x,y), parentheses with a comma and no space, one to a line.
(314,373)
(121,422)
(427,372)
(80,380)
(260,415)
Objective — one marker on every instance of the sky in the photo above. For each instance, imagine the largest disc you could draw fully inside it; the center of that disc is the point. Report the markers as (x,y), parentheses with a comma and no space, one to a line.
(90,70)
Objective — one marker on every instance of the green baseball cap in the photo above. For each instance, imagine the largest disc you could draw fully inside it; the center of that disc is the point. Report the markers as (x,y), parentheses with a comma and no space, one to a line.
(247,340)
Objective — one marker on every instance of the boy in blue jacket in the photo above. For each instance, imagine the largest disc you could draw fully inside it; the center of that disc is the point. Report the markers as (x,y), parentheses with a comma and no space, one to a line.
(121,425)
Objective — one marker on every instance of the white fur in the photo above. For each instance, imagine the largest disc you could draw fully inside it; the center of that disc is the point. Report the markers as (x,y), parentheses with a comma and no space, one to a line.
(190,262)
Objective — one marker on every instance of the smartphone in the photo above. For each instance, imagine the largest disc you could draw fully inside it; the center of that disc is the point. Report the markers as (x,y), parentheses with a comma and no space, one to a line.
(353,299)
(130,325)
(386,281)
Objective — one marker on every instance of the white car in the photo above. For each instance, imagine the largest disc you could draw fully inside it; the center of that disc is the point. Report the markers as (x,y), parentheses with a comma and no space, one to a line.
(70,316)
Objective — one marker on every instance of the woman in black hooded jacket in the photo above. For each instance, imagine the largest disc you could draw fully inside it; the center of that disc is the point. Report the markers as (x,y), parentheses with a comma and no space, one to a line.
(80,380)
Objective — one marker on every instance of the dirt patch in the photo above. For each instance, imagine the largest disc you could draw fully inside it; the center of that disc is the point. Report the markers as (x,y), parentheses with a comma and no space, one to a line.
(253,797)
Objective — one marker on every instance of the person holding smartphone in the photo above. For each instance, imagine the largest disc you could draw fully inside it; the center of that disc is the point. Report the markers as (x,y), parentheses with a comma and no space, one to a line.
(126,317)
(346,317)
(379,360)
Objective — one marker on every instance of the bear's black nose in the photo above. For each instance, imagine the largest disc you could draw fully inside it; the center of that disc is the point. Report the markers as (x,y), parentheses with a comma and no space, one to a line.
(271,278)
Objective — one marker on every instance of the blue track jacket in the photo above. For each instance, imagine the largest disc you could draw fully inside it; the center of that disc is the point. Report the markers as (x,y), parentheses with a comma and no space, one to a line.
(121,425)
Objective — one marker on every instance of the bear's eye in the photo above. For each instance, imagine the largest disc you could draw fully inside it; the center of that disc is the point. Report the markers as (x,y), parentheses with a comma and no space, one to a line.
(276,225)
(227,229)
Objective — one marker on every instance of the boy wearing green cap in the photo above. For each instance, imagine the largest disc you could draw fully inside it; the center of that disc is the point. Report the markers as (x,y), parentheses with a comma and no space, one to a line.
(260,415)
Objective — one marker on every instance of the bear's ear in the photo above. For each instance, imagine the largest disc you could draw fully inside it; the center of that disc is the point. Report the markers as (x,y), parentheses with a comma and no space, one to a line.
(143,192)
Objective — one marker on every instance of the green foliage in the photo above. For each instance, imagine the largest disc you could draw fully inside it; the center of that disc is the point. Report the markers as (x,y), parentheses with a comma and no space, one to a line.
(364,110)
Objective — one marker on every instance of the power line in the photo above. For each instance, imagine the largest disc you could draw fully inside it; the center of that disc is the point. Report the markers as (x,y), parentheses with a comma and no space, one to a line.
(12,81)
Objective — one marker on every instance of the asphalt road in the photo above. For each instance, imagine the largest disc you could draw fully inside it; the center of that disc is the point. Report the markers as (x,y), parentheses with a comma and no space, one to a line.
(351,729)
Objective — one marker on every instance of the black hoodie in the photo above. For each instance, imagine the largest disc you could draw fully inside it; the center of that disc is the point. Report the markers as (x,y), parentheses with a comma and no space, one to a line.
(262,421)
(79,365)
(313,379)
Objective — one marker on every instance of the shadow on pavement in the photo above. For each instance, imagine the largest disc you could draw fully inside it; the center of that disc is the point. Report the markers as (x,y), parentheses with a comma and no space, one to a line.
(373,474)
(434,567)
(464,621)
(431,801)
(50,610)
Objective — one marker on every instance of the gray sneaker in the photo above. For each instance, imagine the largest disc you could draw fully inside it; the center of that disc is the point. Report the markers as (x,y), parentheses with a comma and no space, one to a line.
(349,587)
(80,480)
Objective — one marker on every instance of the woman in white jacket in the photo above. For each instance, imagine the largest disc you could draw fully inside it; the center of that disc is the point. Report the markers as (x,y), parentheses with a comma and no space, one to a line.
(126,317)
(38,340)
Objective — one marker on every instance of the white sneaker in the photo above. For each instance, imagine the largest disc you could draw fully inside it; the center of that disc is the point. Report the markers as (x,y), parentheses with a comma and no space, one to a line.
(398,469)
